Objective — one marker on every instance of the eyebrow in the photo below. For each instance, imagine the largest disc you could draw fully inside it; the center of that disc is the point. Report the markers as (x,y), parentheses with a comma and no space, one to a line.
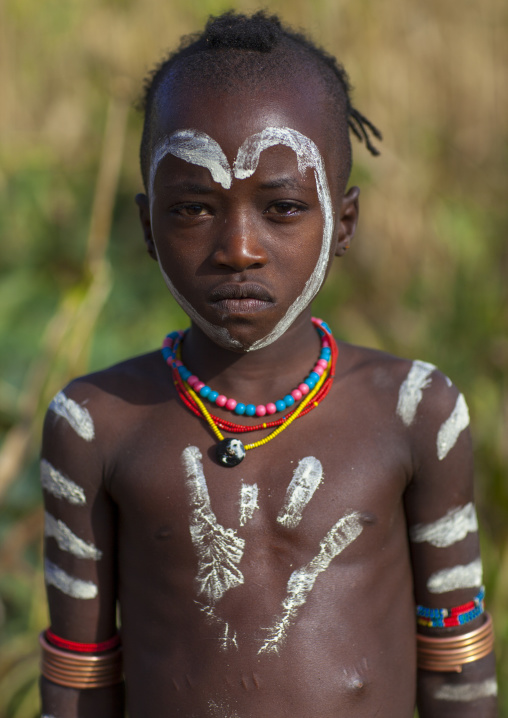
(282,183)
(190,188)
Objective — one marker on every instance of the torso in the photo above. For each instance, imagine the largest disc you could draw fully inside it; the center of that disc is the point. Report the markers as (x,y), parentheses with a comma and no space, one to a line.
(235,641)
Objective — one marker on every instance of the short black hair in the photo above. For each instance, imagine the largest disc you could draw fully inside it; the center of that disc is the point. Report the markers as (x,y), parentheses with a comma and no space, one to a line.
(234,46)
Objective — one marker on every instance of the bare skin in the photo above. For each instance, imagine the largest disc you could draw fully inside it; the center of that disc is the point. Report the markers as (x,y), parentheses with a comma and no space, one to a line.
(350,647)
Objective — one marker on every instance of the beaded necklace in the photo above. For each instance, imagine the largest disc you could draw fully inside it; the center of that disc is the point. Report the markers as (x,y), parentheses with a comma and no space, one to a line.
(231,452)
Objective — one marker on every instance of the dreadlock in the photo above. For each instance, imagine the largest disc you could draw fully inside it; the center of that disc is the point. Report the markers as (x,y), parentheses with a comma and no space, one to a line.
(234,47)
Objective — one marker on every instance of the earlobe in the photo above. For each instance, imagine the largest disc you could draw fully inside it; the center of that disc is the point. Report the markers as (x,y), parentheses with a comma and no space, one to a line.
(349,212)
(146,225)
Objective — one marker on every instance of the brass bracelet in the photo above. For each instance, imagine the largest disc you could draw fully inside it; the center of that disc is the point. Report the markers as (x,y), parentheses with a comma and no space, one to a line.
(451,653)
(79,670)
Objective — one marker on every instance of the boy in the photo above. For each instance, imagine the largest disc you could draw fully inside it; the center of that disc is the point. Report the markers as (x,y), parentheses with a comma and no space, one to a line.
(272,573)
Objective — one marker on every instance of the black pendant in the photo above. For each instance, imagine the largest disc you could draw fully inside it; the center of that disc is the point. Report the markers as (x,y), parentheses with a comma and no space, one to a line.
(230,452)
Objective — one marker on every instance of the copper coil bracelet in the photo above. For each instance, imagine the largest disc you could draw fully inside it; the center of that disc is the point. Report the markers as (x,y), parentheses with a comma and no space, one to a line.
(451,653)
(78,670)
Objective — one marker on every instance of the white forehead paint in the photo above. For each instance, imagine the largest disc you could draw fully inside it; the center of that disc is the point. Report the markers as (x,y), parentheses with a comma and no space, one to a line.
(67,540)
(208,153)
(71,586)
(467,692)
(452,428)
(194,147)
(308,156)
(228,638)
(301,581)
(306,478)
(450,529)
(410,392)
(60,486)
(219,550)
(451,579)
(77,416)
(248,502)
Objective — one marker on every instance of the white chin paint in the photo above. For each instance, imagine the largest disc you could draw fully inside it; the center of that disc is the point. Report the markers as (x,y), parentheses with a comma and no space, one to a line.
(450,529)
(467,692)
(200,149)
(71,586)
(67,540)
(59,485)
(306,478)
(452,428)
(219,550)
(451,579)
(411,390)
(301,581)
(77,416)
(248,502)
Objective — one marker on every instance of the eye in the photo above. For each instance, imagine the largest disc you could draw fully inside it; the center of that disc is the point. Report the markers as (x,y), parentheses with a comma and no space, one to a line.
(191,209)
(285,208)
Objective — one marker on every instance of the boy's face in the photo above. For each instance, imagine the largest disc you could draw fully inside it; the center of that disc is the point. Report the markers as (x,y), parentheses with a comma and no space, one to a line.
(246,208)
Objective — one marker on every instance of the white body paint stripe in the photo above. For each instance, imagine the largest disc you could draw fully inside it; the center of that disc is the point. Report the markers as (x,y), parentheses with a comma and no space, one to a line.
(219,550)
(450,529)
(467,692)
(71,586)
(452,428)
(67,540)
(228,638)
(451,579)
(411,390)
(77,416)
(60,486)
(248,502)
(306,478)
(301,581)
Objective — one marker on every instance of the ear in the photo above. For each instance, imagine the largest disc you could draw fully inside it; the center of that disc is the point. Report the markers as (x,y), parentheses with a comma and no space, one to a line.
(146,225)
(349,212)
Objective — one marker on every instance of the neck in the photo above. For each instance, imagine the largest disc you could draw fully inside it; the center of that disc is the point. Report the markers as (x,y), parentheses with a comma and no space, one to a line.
(255,377)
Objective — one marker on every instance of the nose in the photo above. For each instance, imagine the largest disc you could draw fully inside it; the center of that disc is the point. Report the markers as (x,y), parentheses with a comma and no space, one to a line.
(238,245)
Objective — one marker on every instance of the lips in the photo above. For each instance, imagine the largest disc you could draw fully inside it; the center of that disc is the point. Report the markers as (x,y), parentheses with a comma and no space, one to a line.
(240,297)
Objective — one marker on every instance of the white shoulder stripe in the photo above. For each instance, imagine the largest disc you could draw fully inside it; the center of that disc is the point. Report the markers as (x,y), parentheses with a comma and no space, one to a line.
(71,586)
(452,428)
(467,692)
(451,579)
(450,529)
(77,416)
(410,392)
(60,486)
(67,540)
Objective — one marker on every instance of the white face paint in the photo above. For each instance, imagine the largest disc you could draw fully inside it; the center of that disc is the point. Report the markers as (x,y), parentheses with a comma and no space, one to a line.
(467,692)
(452,428)
(60,486)
(77,416)
(71,586)
(200,149)
(450,529)
(219,550)
(410,392)
(228,638)
(67,540)
(306,478)
(451,579)
(301,581)
(248,502)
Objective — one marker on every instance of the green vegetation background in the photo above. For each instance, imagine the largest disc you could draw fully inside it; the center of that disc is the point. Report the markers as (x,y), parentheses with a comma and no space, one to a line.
(426,277)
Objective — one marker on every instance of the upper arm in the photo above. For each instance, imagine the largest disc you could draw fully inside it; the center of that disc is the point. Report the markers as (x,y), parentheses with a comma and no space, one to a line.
(80,519)
(439,502)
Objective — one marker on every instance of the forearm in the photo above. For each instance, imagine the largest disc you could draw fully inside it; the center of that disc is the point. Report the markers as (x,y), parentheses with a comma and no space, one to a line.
(61,702)
(469,694)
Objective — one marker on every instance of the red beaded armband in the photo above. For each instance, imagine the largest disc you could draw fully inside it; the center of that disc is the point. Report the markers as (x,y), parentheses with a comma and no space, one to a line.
(82,647)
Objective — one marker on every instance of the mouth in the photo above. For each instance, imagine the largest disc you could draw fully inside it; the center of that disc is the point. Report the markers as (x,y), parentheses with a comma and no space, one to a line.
(240,298)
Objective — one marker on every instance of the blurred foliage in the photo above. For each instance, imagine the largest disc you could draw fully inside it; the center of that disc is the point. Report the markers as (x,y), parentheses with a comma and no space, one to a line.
(427,277)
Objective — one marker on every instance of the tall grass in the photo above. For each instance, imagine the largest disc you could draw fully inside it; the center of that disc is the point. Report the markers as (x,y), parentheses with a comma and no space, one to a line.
(427,276)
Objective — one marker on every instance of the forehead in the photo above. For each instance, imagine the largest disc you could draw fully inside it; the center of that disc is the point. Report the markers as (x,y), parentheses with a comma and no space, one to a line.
(231,115)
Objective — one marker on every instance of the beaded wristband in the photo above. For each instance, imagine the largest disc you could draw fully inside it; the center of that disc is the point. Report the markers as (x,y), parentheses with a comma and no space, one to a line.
(452,653)
(80,671)
(448,617)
